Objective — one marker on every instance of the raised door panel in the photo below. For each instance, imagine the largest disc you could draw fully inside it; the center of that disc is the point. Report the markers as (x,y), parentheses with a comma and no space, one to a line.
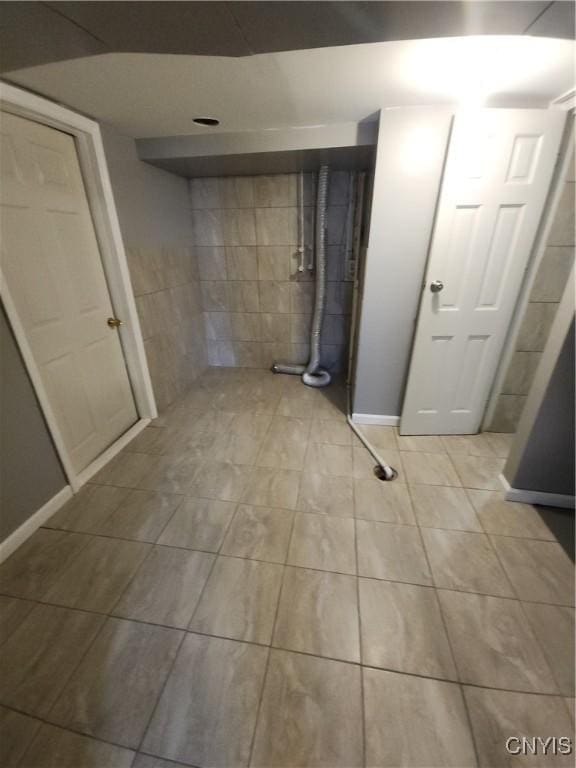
(498,171)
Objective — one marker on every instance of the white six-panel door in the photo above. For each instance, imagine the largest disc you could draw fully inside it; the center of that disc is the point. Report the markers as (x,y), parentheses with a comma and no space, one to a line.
(53,272)
(497,176)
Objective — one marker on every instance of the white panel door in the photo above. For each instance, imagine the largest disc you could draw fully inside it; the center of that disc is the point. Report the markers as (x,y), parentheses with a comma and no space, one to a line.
(497,176)
(53,271)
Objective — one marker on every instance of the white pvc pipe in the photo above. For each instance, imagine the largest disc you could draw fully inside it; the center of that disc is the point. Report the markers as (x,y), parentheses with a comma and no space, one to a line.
(389,473)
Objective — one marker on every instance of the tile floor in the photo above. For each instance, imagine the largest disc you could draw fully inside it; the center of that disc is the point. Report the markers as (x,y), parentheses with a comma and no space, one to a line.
(237,589)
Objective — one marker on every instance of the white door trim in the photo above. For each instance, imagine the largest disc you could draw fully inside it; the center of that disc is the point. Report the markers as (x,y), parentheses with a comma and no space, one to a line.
(556,190)
(92,160)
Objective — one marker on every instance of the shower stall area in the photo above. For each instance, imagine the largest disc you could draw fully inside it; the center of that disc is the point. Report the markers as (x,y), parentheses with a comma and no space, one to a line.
(255,241)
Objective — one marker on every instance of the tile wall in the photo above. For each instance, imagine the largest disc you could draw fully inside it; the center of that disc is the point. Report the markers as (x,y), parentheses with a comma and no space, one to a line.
(154,217)
(257,306)
(546,293)
(167,293)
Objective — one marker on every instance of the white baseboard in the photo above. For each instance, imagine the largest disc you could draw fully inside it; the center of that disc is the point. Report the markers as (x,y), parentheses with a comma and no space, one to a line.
(540,497)
(34,522)
(376,419)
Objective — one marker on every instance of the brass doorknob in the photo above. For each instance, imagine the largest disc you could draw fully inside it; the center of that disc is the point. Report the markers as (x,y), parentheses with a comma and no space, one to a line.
(114,322)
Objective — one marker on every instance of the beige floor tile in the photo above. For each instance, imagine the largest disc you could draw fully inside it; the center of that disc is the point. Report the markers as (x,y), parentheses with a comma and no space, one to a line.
(554,628)
(425,443)
(394,552)
(126,470)
(259,533)
(465,561)
(331,460)
(57,748)
(296,407)
(498,715)
(412,721)
(142,516)
(326,495)
(268,487)
(508,518)
(13,611)
(41,655)
(443,507)
(402,629)
(95,580)
(153,440)
(112,694)
(166,588)
(479,472)
(318,613)
(88,510)
(380,437)
(190,444)
(207,712)
(468,445)
(331,432)
(147,761)
(239,600)
(500,443)
(38,563)
(387,502)
(209,422)
(571,705)
(198,524)
(310,714)
(323,542)
(539,570)
(493,644)
(235,448)
(170,474)
(215,480)
(331,402)
(284,446)
(16,734)
(429,469)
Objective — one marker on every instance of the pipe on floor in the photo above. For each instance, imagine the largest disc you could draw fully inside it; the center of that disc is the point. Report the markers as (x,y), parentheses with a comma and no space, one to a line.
(383,471)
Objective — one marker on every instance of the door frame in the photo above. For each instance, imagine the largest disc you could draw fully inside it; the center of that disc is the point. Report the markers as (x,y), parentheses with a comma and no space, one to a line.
(92,159)
(567,103)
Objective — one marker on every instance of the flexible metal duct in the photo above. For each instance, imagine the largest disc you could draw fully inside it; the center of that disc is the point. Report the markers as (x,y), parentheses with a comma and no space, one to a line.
(314,375)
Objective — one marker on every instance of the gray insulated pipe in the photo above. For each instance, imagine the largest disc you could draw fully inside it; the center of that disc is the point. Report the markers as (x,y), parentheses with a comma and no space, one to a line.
(314,375)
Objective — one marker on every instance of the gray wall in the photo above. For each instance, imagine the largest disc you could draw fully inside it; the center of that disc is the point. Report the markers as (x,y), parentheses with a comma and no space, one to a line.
(547,463)
(542,454)
(412,145)
(155,220)
(30,471)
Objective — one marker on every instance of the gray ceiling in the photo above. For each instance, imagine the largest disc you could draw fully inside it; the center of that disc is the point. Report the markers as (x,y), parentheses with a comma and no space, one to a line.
(33,33)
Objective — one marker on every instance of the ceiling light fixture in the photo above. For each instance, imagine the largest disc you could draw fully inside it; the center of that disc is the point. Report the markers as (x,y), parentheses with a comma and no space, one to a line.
(211,121)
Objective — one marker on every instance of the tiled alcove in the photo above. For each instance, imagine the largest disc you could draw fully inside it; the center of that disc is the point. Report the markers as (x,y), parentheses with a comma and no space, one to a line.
(257,306)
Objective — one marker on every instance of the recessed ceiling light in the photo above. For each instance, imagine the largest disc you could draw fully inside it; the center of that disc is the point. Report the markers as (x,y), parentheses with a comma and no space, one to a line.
(212,121)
